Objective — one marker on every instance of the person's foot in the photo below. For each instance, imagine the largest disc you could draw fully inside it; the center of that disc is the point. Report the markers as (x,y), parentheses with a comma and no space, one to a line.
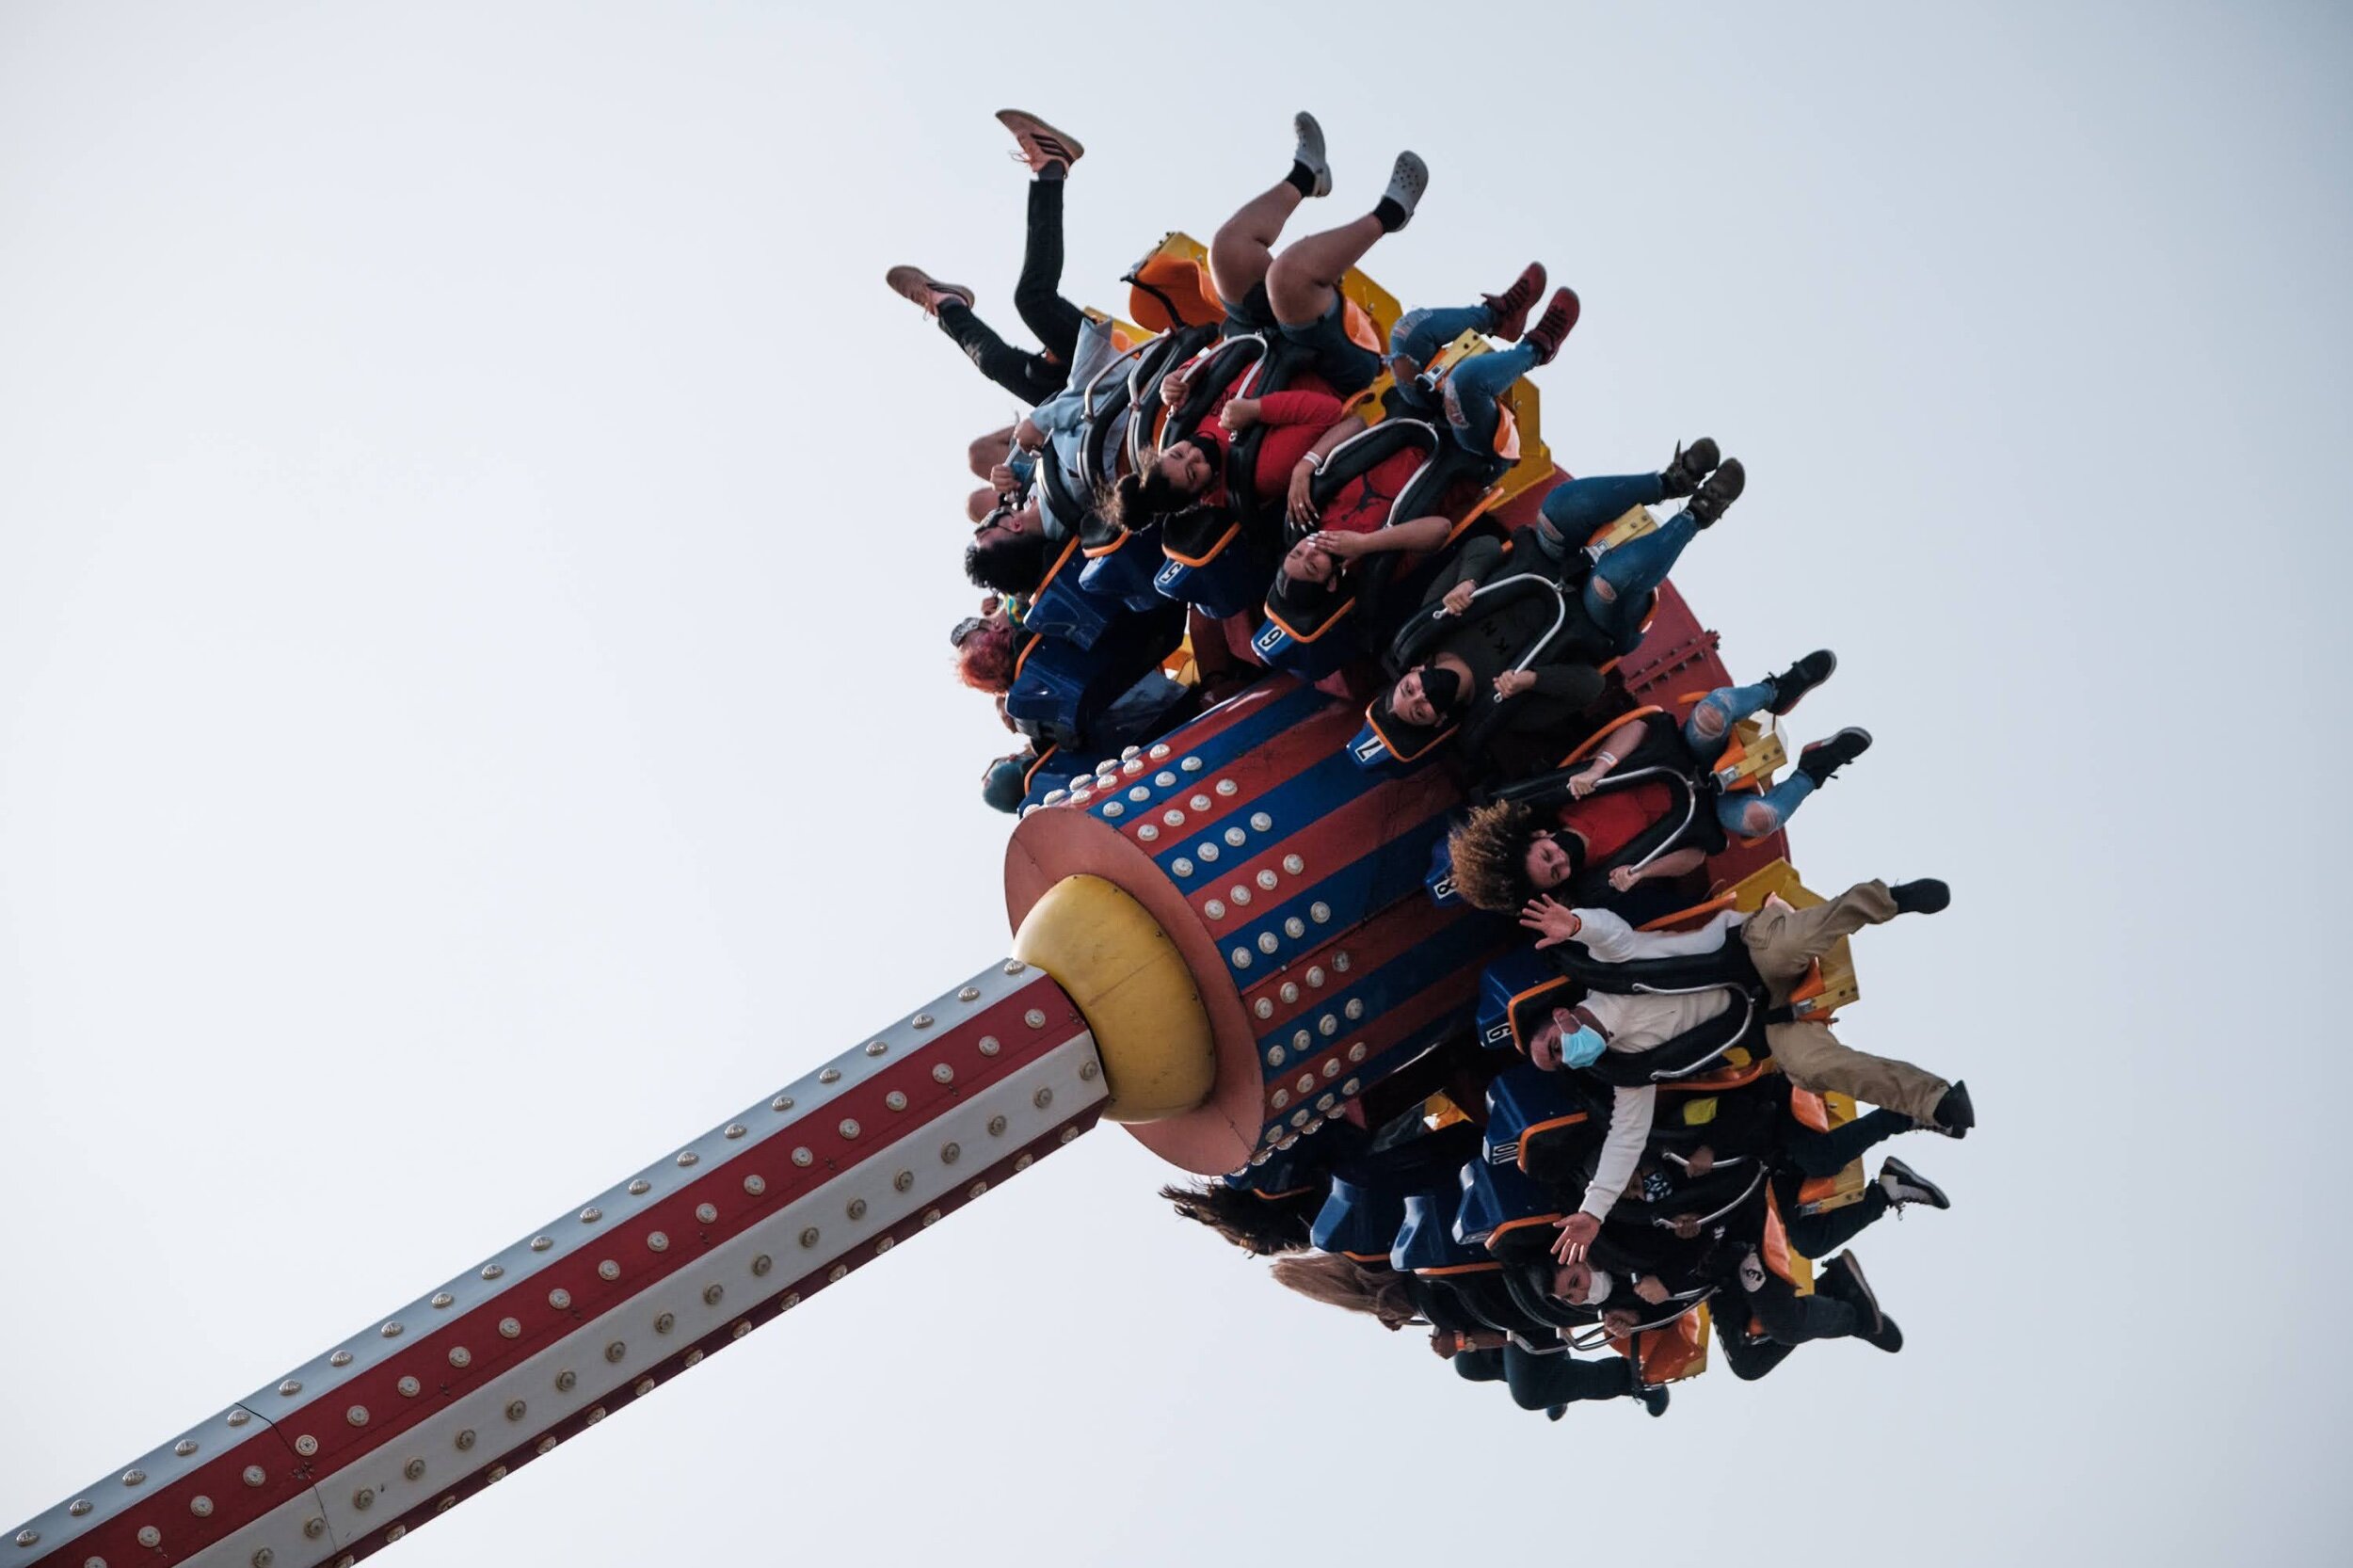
(1559,319)
(1554,1411)
(1842,1280)
(1692,464)
(1307,155)
(1654,1397)
(1408,178)
(1719,490)
(925,290)
(1790,685)
(1903,1185)
(1887,1336)
(1040,143)
(1955,1115)
(1511,305)
(1823,759)
(1922,895)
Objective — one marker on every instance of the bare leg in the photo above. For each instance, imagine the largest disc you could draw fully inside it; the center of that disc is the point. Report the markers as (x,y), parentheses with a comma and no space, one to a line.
(1302,281)
(1244,243)
(987,451)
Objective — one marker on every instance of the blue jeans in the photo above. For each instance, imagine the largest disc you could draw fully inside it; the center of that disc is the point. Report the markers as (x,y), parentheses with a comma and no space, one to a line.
(1475,388)
(1420,334)
(1573,510)
(1630,571)
(1747,816)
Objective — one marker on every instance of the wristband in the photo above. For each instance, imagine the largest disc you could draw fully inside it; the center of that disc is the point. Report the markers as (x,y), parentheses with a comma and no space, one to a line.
(1603,759)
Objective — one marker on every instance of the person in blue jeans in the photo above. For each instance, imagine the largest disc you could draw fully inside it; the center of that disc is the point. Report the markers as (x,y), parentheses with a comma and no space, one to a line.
(1621,580)
(1748,815)
(1468,397)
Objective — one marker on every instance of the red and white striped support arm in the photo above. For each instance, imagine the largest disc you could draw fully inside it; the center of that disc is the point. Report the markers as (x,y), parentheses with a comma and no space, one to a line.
(407,1418)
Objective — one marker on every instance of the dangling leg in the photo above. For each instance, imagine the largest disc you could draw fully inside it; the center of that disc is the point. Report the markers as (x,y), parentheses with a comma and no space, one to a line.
(1037,293)
(1750,816)
(1303,281)
(1624,579)
(1826,1154)
(1031,378)
(1475,388)
(1243,246)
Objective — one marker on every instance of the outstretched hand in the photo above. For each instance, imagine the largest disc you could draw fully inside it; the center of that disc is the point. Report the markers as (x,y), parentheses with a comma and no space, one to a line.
(1576,1235)
(1554,922)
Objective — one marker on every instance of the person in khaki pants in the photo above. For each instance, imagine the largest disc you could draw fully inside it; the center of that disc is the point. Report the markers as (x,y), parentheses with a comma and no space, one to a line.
(1784,941)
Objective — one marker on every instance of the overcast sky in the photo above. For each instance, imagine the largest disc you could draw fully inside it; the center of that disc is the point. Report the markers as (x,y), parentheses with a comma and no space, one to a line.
(475,541)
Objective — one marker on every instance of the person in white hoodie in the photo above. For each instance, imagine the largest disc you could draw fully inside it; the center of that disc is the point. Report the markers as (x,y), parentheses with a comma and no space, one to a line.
(1782,941)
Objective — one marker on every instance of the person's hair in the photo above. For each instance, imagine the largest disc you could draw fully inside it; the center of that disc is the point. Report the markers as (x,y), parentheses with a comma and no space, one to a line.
(1344,1283)
(1489,857)
(1138,498)
(1259,1226)
(986,658)
(1006,563)
(1305,601)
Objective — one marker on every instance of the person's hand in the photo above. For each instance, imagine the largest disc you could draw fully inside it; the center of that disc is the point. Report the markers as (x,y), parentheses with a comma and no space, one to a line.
(1173,388)
(991,603)
(1444,1342)
(1458,597)
(1625,877)
(1001,479)
(1302,502)
(1576,1235)
(1553,922)
(1513,682)
(1650,1289)
(1340,547)
(1686,1226)
(1701,1161)
(1581,783)
(1238,414)
(1027,436)
(1621,1322)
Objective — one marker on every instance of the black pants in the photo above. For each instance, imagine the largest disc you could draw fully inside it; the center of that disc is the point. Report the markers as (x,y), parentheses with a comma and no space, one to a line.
(1826,1154)
(1820,1235)
(1541,1381)
(1037,295)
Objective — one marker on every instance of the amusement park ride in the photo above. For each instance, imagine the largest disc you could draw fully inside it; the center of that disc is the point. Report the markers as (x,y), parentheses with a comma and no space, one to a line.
(1222,939)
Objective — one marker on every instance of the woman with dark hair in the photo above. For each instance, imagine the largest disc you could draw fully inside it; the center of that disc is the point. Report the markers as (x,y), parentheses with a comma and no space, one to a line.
(1260,1224)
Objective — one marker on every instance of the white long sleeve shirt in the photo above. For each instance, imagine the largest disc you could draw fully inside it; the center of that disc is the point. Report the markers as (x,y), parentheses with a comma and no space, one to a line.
(1636,1023)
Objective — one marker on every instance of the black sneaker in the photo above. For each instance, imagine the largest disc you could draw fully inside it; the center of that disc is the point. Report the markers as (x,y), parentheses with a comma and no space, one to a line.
(1692,464)
(1654,1397)
(1887,1336)
(1823,759)
(1790,685)
(1955,1115)
(1554,1411)
(1719,490)
(1903,1185)
(1842,1280)
(1922,895)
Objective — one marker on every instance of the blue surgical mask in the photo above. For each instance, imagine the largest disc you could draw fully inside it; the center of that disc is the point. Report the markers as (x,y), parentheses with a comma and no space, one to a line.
(1582,1048)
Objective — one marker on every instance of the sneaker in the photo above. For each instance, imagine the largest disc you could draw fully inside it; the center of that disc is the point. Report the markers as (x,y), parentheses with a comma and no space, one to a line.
(1887,1336)
(1842,1280)
(1823,759)
(1654,1397)
(1790,685)
(925,290)
(1955,1115)
(1511,305)
(1408,178)
(1309,152)
(1554,1411)
(1923,895)
(1559,320)
(1903,1185)
(1040,143)
(1692,464)
(1721,488)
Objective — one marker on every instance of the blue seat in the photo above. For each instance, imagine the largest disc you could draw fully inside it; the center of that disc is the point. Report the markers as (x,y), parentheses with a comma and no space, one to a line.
(1358,1222)
(1521,1097)
(1125,572)
(1499,983)
(1440,880)
(1493,1196)
(1427,1239)
(1066,609)
(1226,584)
(1308,655)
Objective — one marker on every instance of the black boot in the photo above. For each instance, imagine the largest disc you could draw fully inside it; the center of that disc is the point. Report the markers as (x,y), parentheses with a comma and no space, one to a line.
(1823,759)
(1842,1280)
(1654,1397)
(1955,1115)
(1692,465)
(1721,488)
(1790,685)
(1903,1185)
(1922,895)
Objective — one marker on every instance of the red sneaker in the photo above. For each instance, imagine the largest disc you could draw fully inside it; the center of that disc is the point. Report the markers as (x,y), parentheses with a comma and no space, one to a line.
(925,290)
(1041,144)
(1511,305)
(1558,318)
